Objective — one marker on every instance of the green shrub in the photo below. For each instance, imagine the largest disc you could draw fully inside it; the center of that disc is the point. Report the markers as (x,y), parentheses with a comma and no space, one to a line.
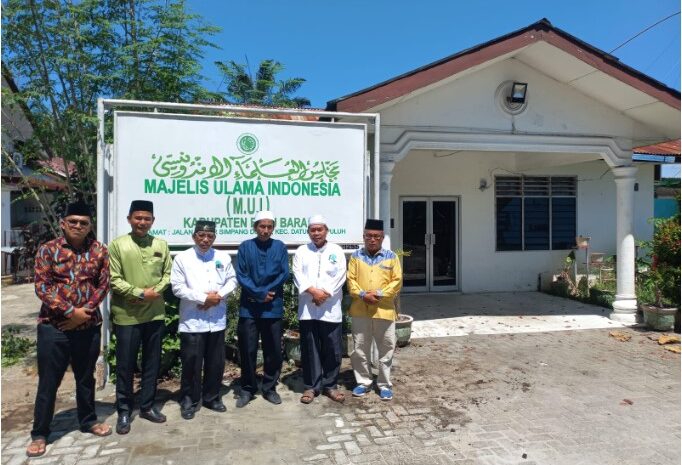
(15,347)
(232,315)
(602,297)
(666,242)
(290,315)
(660,283)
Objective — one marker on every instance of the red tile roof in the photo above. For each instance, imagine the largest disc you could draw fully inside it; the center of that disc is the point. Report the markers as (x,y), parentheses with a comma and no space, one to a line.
(56,165)
(672,147)
(542,30)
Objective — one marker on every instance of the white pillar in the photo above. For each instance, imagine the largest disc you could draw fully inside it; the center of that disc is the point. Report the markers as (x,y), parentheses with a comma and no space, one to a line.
(625,304)
(386,172)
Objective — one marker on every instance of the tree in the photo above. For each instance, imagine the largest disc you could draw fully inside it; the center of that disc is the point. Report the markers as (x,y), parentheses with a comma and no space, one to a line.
(263,88)
(65,54)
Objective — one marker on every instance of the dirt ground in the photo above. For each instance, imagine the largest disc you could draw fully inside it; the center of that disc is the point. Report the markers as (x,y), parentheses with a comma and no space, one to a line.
(20,383)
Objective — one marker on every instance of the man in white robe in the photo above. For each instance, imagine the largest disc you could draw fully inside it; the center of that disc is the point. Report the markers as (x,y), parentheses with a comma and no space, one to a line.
(202,277)
(319,274)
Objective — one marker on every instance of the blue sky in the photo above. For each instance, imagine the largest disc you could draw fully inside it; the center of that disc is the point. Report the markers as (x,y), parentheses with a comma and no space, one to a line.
(340,47)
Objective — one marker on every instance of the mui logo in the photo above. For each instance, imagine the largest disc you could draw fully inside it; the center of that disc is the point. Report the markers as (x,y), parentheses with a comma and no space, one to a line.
(247,143)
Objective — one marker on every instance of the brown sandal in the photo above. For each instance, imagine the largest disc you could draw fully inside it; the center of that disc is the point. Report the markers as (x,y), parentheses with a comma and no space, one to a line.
(36,448)
(308,396)
(100,429)
(335,395)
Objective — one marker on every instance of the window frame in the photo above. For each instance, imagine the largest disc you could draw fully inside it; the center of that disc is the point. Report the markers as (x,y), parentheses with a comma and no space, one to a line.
(522,196)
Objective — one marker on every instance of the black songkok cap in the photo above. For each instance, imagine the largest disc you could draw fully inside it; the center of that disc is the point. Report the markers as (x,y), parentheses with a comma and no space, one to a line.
(375,225)
(141,206)
(78,208)
(204,225)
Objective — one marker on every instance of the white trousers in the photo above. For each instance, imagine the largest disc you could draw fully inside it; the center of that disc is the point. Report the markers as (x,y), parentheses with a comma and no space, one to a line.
(382,332)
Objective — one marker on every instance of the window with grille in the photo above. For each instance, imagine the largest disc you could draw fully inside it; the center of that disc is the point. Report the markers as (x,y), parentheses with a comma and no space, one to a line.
(535,212)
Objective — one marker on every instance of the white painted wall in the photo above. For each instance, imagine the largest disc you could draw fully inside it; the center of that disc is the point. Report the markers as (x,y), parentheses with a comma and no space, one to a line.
(484,269)
(468,104)
(6,214)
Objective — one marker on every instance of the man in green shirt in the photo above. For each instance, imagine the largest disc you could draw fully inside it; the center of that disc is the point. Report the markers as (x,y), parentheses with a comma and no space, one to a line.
(140,267)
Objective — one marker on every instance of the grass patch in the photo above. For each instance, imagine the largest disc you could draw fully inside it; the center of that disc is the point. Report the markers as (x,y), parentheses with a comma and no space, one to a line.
(14,347)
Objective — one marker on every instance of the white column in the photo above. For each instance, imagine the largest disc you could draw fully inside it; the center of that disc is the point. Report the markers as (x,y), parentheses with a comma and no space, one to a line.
(386,173)
(625,305)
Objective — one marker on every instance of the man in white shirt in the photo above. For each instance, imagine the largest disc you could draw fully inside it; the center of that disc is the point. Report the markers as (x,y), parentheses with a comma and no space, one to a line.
(202,277)
(319,274)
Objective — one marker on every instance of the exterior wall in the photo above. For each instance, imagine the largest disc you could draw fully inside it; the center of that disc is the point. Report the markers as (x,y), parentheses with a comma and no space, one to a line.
(426,173)
(665,208)
(6,217)
(468,104)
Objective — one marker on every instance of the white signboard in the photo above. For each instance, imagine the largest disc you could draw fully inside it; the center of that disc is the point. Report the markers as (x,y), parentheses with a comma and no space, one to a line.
(227,169)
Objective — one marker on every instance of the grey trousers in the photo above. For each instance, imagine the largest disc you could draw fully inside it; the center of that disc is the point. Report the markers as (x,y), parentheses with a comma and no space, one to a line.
(366,330)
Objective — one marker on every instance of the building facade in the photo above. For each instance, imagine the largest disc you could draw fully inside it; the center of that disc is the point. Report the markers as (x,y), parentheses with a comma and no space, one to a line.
(494,159)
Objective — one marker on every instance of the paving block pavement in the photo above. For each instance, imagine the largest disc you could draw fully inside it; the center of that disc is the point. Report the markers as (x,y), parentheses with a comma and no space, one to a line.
(571,397)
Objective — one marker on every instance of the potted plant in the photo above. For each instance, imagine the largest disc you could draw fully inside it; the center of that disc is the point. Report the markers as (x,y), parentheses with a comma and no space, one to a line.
(660,291)
(659,287)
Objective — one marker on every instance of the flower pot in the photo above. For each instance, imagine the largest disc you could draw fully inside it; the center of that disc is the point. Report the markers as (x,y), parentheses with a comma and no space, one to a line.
(659,318)
(292,346)
(403,329)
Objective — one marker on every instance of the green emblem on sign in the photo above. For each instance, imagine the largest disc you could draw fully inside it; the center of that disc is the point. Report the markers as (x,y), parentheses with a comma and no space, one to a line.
(247,143)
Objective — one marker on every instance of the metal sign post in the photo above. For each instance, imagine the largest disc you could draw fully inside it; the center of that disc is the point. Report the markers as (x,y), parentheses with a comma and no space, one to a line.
(180,116)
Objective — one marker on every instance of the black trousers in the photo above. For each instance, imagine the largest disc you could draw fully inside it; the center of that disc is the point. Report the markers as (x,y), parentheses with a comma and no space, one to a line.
(270,332)
(320,354)
(197,351)
(56,349)
(128,341)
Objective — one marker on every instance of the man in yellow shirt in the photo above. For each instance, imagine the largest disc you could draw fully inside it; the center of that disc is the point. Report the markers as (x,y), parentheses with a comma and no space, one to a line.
(374,279)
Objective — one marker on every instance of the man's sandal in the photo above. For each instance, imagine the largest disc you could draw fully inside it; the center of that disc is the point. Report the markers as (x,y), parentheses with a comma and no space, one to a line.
(335,395)
(36,448)
(308,396)
(100,429)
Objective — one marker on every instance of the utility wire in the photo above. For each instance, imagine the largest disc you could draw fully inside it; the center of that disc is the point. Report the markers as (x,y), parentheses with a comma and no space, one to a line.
(624,43)
(644,30)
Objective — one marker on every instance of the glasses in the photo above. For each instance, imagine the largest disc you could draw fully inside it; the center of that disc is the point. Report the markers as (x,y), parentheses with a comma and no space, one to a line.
(374,236)
(205,235)
(74,223)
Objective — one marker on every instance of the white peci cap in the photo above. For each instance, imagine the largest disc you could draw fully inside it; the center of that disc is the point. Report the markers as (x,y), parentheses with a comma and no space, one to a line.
(317,219)
(264,215)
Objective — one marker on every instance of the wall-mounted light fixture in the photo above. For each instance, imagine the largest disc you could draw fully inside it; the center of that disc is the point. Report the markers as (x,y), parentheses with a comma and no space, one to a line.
(482,184)
(518,92)
(512,97)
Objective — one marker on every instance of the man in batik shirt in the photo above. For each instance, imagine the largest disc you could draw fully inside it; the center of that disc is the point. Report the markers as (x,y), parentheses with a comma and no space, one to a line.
(71,280)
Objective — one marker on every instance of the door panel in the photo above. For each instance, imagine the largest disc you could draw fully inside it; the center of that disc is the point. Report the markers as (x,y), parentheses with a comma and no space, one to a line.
(444,243)
(414,230)
(429,227)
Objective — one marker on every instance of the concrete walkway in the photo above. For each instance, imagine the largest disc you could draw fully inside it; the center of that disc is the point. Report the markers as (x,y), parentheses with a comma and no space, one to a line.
(454,314)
